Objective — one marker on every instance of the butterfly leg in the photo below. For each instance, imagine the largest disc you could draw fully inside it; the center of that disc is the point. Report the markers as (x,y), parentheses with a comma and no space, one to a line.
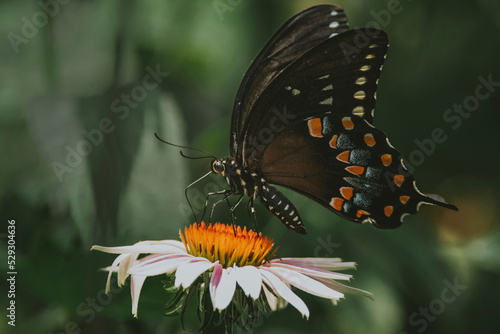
(226,194)
(231,210)
(253,215)
(222,192)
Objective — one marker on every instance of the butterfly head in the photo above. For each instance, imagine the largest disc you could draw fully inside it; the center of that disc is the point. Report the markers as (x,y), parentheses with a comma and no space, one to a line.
(219,166)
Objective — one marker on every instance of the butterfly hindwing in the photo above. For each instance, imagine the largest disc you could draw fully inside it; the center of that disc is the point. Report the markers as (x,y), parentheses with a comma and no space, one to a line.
(346,165)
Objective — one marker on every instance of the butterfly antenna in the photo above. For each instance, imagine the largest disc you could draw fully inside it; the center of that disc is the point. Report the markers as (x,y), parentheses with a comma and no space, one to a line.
(194,158)
(187,197)
(208,155)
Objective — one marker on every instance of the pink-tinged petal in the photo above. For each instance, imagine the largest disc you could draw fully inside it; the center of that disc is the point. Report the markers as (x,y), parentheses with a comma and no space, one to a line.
(187,272)
(318,263)
(214,281)
(344,288)
(283,291)
(305,283)
(249,279)
(310,261)
(157,265)
(225,290)
(136,283)
(309,271)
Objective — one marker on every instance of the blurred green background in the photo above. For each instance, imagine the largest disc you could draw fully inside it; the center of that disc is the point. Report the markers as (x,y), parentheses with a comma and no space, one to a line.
(72,78)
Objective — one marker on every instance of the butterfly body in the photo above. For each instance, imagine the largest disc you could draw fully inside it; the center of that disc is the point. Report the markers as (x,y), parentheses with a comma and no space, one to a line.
(303,118)
(251,184)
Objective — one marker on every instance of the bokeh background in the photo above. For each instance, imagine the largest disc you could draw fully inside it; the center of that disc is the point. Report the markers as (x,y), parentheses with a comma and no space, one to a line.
(70,68)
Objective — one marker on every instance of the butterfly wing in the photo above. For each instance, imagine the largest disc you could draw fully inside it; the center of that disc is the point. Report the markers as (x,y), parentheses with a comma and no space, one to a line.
(310,130)
(298,35)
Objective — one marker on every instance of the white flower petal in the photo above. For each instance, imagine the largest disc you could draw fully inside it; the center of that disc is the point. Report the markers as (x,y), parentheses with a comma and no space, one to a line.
(158,264)
(344,288)
(225,290)
(136,283)
(305,283)
(274,302)
(332,263)
(310,261)
(283,291)
(309,271)
(187,272)
(124,267)
(145,247)
(250,280)
(215,280)
(114,268)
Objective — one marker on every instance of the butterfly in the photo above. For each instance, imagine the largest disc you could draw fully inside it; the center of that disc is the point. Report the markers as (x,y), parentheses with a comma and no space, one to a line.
(302,119)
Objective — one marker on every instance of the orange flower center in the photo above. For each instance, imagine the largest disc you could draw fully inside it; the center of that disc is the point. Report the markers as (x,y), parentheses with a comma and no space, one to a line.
(228,244)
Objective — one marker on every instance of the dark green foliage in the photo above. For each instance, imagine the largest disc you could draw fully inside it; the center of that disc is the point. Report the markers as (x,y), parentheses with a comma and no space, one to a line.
(64,79)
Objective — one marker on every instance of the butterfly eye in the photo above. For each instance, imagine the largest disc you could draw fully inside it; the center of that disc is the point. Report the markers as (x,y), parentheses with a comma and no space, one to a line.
(218,167)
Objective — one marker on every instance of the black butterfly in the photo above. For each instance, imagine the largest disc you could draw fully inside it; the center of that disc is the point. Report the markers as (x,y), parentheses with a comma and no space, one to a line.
(303,118)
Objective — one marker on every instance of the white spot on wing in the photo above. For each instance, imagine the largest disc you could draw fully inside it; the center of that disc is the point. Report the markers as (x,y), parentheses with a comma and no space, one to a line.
(368,220)
(324,77)
(360,95)
(359,111)
(361,81)
(334,12)
(388,142)
(327,101)
(403,216)
(416,189)
(403,164)
(329,87)
(295,92)
(334,24)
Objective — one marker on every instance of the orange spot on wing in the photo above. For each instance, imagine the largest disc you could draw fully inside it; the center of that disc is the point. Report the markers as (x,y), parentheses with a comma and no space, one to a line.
(336,203)
(356,170)
(346,192)
(344,156)
(347,123)
(333,142)
(388,210)
(386,159)
(315,127)
(369,140)
(399,179)
(360,213)
(404,199)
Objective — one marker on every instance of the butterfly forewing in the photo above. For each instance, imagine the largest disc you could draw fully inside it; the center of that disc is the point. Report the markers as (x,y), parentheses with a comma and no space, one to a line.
(325,79)
(298,35)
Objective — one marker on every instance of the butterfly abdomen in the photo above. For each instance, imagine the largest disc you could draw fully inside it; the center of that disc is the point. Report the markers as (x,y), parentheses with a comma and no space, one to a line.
(280,206)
